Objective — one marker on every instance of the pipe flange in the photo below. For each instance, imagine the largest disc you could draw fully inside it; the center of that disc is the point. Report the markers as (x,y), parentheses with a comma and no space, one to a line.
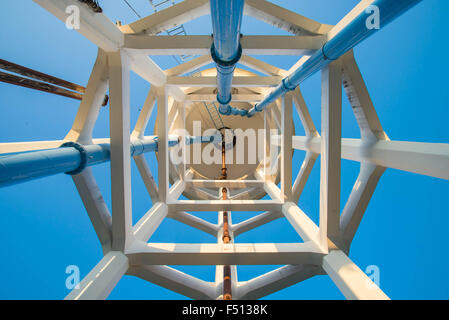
(324,53)
(83,154)
(286,86)
(224,103)
(222,63)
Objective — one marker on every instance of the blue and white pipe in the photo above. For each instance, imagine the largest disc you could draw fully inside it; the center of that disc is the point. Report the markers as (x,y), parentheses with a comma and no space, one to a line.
(226,50)
(71,158)
(350,36)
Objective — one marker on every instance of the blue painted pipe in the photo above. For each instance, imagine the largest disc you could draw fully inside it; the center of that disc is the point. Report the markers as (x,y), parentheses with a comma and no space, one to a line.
(226,50)
(199,139)
(71,158)
(351,35)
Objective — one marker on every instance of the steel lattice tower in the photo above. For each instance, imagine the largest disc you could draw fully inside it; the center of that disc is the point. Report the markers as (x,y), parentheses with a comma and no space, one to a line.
(182,98)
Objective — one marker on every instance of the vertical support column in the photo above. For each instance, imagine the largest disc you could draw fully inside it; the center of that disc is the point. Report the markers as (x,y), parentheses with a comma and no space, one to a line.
(93,99)
(286,147)
(119,122)
(330,153)
(162,132)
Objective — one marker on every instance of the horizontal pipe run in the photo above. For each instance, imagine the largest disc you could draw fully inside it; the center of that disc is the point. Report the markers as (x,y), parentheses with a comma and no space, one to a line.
(350,36)
(71,158)
(226,50)
(199,139)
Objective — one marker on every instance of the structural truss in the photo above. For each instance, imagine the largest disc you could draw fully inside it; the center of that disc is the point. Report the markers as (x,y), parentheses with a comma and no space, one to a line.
(325,247)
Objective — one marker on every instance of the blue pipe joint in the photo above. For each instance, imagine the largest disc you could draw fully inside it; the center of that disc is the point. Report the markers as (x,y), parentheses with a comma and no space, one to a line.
(225,63)
(83,157)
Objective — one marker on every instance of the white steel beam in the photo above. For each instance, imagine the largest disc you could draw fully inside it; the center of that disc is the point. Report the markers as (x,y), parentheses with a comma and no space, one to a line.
(213,98)
(304,115)
(430,159)
(359,198)
(149,223)
(194,222)
(255,222)
(99,283)
(224,205)
(175,280)
(223,254)
(148,70)
(119,81)
(163,155)
(93,98)
(303,175)
(145,114)
(233,184)
(95,206)
(284,19)
(352,282)
(304,226)
(169,18)
(360,100)
(94,26)
(200,45)
(189,66)
(251,81)
(286,147)
(331,105)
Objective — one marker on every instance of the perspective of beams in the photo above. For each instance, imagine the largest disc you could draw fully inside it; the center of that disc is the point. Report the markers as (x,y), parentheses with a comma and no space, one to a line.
(210,83)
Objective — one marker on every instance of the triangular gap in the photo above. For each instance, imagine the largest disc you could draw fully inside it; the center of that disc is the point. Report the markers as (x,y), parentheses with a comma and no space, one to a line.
(172,231)
(246,272)
(205,273)
(103,171)
(281,61)
(238,216)
(349,173)
(134,288)
(141,200)
(139,89)
(209,216)
(253,26)
(243,67)
(309,202)
(276,231)
(298,155)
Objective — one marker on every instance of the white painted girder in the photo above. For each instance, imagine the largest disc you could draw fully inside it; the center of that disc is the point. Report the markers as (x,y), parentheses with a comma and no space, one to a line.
(141,253)
(99,282)
(119,122)
(431,159)
(284,19)
(200,45)
(91,104)
(96,207)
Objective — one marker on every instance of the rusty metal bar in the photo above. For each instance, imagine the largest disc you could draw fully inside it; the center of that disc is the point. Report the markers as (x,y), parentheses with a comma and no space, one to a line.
(15,68)
(45,82)
(227,283)
(37,85)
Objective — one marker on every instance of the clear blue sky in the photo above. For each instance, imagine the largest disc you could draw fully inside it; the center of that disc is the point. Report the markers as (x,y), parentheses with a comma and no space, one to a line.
(45,227)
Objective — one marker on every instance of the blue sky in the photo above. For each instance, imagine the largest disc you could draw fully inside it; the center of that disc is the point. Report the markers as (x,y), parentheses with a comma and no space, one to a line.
(44,224)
